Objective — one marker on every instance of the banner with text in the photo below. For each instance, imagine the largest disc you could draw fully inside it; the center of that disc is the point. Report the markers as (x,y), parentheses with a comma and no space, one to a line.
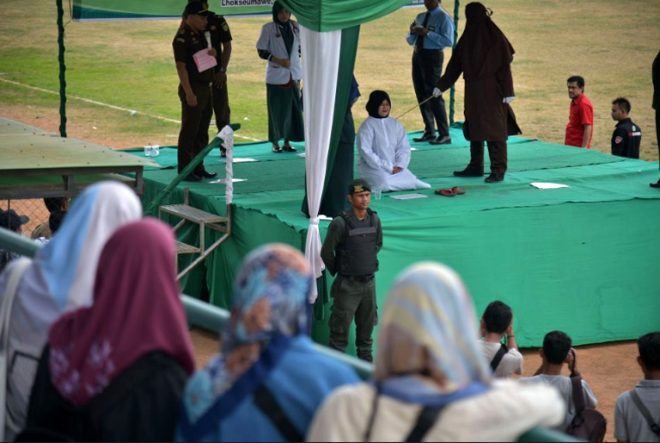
(162,9)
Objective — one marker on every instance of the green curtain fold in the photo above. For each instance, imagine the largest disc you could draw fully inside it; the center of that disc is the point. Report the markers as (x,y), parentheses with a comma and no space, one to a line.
(331,15)
(349,42)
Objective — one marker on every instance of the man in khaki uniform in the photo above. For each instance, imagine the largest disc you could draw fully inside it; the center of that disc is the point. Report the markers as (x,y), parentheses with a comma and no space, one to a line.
(194,89)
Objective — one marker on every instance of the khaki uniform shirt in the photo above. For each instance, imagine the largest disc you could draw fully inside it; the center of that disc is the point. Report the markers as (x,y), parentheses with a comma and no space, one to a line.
(185,44)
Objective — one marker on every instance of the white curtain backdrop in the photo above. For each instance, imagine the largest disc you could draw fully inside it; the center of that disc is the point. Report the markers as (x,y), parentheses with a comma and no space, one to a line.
(320,54)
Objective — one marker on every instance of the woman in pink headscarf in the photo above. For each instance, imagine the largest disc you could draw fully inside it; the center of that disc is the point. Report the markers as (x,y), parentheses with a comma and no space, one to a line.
(115,371)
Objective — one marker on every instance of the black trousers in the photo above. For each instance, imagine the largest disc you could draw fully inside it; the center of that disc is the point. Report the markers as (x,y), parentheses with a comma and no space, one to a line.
(221,106)
(426,71)
(657,128)
(496,152)
(353,299)
(195,121)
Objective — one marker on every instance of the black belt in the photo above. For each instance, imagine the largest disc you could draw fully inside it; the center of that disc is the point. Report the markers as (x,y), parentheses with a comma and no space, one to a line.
(359,278)
(417,50)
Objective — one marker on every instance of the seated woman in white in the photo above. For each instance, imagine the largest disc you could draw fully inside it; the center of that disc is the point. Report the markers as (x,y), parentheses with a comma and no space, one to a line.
(384,148)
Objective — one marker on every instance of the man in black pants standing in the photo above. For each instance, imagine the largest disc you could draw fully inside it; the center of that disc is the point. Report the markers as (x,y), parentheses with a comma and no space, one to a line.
(431,31)
(194,89)
(350,250)
(655,73)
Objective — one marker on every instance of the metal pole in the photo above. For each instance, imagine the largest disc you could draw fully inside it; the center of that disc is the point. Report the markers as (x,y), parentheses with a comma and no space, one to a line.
(452,91)
(62,66)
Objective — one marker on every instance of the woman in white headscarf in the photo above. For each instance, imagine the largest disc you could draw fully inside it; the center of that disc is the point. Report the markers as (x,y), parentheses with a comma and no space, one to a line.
(59,279)
(431,382)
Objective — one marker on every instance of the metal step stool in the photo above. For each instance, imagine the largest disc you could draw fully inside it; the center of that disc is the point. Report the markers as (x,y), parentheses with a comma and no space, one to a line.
(204,220)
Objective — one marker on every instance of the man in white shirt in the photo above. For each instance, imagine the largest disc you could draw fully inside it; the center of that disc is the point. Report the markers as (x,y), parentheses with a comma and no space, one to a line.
(629,421)
(556,351)
(496,322)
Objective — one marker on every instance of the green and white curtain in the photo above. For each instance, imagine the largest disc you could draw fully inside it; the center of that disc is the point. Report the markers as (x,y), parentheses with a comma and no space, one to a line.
(329,34)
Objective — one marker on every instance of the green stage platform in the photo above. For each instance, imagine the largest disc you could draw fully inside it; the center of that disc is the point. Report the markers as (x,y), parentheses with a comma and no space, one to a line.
(583,259)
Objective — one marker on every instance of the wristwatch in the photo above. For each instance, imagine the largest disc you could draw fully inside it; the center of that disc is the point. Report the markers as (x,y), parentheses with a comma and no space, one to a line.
(223,69)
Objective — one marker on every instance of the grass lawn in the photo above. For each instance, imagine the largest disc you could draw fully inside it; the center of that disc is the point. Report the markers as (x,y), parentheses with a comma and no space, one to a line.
(129,65)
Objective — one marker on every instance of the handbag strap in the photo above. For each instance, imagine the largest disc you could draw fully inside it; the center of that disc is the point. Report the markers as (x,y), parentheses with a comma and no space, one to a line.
(427,417)
(268,404)
(578,394)
(6,304)
(495,362)
(372,416)
(655,427)
(425,420)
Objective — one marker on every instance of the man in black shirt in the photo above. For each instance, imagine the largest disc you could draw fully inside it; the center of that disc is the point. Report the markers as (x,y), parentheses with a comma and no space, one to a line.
(627,135)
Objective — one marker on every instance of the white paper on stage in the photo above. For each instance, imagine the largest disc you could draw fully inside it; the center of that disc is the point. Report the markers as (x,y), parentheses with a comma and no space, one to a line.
(408,196)
(543,185)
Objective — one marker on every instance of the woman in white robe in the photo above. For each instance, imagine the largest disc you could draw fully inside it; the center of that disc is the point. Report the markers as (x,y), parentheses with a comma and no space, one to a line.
(384,149)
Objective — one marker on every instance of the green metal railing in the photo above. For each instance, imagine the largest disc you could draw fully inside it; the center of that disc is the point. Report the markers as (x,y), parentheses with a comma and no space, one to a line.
(152,209)
(213,318)
(199,313)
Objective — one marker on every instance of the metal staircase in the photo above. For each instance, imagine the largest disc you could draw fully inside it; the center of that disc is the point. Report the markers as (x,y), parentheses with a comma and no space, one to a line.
(204,220)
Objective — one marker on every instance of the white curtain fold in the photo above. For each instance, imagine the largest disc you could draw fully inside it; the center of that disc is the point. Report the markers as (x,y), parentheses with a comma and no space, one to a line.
(227,137)
(320,54)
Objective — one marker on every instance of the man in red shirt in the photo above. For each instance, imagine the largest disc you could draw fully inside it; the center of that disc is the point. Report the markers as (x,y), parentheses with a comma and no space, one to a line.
(581,115)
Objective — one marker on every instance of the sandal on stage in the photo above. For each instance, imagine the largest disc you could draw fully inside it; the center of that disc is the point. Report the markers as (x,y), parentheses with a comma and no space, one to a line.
(445,192)
(449,192)
(276,148)
(289,148)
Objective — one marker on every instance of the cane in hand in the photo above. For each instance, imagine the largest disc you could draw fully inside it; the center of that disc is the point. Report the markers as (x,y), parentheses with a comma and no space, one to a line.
(436,93)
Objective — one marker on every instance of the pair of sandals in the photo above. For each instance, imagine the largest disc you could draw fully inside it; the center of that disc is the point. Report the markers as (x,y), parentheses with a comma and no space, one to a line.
(286,148)
(449,192)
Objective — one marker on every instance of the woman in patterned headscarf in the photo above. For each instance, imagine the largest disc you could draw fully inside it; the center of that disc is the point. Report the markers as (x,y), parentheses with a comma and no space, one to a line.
(430,371)
(279,44)
(267,365)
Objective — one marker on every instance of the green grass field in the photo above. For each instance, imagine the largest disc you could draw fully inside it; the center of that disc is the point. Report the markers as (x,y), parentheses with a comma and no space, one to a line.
(129,64)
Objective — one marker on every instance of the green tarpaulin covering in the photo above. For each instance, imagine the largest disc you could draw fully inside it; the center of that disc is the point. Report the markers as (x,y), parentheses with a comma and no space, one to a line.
(582,259)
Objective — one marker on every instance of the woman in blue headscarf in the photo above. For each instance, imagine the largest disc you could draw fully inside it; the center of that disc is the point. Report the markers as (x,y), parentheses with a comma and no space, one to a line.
(268,380)
(431,381)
